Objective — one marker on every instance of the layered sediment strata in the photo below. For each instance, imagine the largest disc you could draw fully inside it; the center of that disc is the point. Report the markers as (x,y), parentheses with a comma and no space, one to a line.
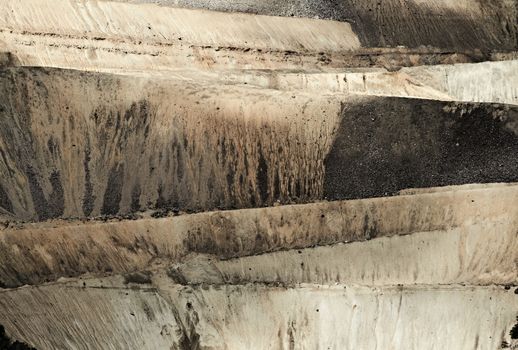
(425,258)
(35,253)
(81,144)
(176,178)
(235,317)
(122,37)
(449,24)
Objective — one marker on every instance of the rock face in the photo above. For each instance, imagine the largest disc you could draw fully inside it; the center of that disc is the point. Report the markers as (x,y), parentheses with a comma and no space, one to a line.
(132,144)
(173,177)
(449,24)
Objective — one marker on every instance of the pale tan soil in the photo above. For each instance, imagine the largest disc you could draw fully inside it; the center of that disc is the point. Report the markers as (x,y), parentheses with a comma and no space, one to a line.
(177,178)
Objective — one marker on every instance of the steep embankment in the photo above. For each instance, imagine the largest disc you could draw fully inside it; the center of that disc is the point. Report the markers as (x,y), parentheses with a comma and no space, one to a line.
(142,316)
(469,82)
(309,155)
(447,24)
(122,37)
(483,218)
(80,144)
(157,283)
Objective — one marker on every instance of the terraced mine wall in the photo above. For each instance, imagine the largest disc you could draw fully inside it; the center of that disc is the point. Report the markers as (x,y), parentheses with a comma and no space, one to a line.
(454,25)
(129,144)
(333,275)
(258,175)
(124,37)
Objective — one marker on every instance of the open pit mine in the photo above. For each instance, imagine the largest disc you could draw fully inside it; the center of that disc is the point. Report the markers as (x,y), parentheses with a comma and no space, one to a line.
(258,174)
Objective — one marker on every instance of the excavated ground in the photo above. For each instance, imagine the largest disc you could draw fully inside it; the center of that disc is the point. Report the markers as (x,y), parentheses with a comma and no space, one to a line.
(177,178)
(450,24)
(79,144)
(125,37)
(193,281)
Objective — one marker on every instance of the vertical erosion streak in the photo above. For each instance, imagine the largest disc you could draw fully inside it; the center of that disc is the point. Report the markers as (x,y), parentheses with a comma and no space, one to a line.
(113,192)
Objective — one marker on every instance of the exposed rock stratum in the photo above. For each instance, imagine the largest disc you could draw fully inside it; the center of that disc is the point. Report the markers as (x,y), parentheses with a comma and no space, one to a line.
(219,174)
